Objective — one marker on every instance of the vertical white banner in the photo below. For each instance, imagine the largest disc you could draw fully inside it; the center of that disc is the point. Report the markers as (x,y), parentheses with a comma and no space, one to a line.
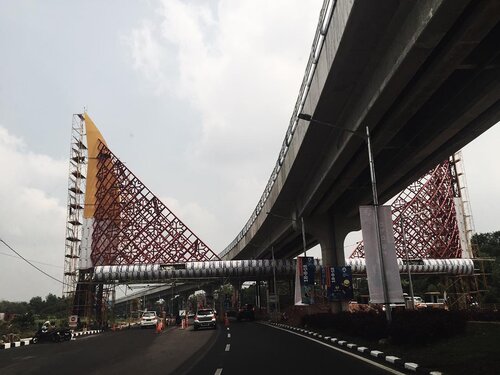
(372,254)
(85,260)
(298,289)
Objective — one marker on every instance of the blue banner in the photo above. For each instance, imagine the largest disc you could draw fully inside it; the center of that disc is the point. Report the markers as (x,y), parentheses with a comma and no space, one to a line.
(340,284)
(307,269)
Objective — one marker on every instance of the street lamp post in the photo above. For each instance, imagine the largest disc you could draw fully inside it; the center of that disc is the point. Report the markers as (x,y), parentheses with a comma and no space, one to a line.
(366,137)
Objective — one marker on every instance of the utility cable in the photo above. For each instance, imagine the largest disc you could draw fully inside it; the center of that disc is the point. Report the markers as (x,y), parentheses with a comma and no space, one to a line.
(31,264)
(34,261)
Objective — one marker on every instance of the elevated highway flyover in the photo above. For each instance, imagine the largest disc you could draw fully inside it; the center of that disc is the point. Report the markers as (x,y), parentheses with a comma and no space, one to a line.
(423,76)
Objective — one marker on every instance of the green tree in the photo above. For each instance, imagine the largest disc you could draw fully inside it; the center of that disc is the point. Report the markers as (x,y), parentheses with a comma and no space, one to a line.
(37,304)
(489,247)
(13,308)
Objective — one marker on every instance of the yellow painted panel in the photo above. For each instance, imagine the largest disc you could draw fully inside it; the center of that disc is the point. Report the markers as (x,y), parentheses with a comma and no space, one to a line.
(93,138)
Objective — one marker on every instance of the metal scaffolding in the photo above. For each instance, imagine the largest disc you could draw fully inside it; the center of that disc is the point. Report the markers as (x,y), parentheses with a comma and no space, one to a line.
(132,226)
(76,196)
(431,211)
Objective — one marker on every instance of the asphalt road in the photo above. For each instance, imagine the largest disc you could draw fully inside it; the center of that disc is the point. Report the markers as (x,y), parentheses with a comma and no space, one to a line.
(133,351)
(242,348)
(253,348)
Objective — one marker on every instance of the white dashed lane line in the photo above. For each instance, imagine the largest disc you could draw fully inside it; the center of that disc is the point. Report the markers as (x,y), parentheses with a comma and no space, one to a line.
(218,371)
(228,346)
(228,335)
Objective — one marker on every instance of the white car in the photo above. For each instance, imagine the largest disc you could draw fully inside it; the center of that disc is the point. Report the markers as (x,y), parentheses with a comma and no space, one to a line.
(149,319)
(205,318)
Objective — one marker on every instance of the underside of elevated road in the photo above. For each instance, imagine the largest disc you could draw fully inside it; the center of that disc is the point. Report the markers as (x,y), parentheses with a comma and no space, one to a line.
(423,76)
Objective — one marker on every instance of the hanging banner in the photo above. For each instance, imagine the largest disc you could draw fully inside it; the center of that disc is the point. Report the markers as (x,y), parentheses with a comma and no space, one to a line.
(305,275)
(339,283)
(323,278)
(298,294)
(381,261)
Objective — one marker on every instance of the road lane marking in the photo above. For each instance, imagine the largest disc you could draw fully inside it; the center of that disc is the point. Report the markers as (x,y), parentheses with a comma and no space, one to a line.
(218,371)
(388,369)
(227,328)
(228,346)
(228,335)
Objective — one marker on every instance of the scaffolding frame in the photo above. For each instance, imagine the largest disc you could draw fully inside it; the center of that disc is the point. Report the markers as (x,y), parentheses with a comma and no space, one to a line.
(132,226)
(76,198)
(427,210)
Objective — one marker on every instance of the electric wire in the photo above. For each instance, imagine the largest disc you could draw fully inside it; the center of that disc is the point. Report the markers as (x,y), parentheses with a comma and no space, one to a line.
(31,260)
(31,264)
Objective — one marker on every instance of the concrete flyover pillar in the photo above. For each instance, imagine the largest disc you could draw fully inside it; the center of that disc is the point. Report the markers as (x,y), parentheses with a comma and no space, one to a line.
(330,231)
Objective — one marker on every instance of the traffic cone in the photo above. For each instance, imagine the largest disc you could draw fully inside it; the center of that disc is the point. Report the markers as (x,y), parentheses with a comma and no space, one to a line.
(159,327)
(183,324)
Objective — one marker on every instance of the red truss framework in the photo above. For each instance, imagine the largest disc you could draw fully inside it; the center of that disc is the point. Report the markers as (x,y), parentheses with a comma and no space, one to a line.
(132,226)
(427,208)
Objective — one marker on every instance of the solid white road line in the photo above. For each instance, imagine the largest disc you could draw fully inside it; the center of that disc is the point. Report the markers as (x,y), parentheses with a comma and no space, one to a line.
(388,369)
(228,346)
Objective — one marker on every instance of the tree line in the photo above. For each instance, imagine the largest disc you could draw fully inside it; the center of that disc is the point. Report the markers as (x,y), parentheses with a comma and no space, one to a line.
(52,306)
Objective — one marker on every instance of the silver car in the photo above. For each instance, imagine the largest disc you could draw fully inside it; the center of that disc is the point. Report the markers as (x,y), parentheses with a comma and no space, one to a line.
(149,319)
(204,318)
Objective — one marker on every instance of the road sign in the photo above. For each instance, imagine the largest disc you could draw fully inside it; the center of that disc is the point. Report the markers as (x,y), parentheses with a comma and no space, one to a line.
(73,321)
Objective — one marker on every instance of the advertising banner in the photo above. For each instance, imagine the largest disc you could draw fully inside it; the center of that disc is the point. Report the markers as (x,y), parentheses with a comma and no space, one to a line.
(306,269)
(381,261)
(339,283)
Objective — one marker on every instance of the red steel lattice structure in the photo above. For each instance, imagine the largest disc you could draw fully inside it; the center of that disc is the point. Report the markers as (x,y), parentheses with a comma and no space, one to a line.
(427,211)
(132,226)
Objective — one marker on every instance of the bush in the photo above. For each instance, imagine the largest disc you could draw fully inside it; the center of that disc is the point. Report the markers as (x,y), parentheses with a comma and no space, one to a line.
(414,327)
(418,327)
(483,315)
(370,325)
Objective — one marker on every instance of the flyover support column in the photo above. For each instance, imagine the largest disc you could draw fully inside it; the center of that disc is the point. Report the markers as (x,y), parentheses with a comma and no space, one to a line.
(330,231)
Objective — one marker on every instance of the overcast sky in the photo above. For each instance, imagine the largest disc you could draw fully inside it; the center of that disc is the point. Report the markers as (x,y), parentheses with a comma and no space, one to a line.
(194,96)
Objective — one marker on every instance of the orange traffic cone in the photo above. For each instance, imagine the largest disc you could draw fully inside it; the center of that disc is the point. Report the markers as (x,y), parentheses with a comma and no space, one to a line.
(159,327)
(183,324)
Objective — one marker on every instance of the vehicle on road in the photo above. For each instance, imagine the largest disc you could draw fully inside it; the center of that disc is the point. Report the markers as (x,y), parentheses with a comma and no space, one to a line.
(246,312)
(52,335)
(204,318)
(417,301)
(149,319)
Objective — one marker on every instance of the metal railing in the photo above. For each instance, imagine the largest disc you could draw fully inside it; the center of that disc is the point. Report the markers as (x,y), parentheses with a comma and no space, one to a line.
(319,38)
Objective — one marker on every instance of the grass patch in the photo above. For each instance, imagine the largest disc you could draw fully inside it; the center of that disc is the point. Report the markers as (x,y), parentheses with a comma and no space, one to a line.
(477,351)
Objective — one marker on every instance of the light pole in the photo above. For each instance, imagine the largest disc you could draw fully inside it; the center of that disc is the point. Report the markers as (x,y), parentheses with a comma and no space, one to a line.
(366,137)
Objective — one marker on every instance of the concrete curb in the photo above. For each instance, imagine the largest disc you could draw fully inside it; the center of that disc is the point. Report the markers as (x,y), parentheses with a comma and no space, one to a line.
(29,340)
(390,359)
(16,344)
(86,333)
